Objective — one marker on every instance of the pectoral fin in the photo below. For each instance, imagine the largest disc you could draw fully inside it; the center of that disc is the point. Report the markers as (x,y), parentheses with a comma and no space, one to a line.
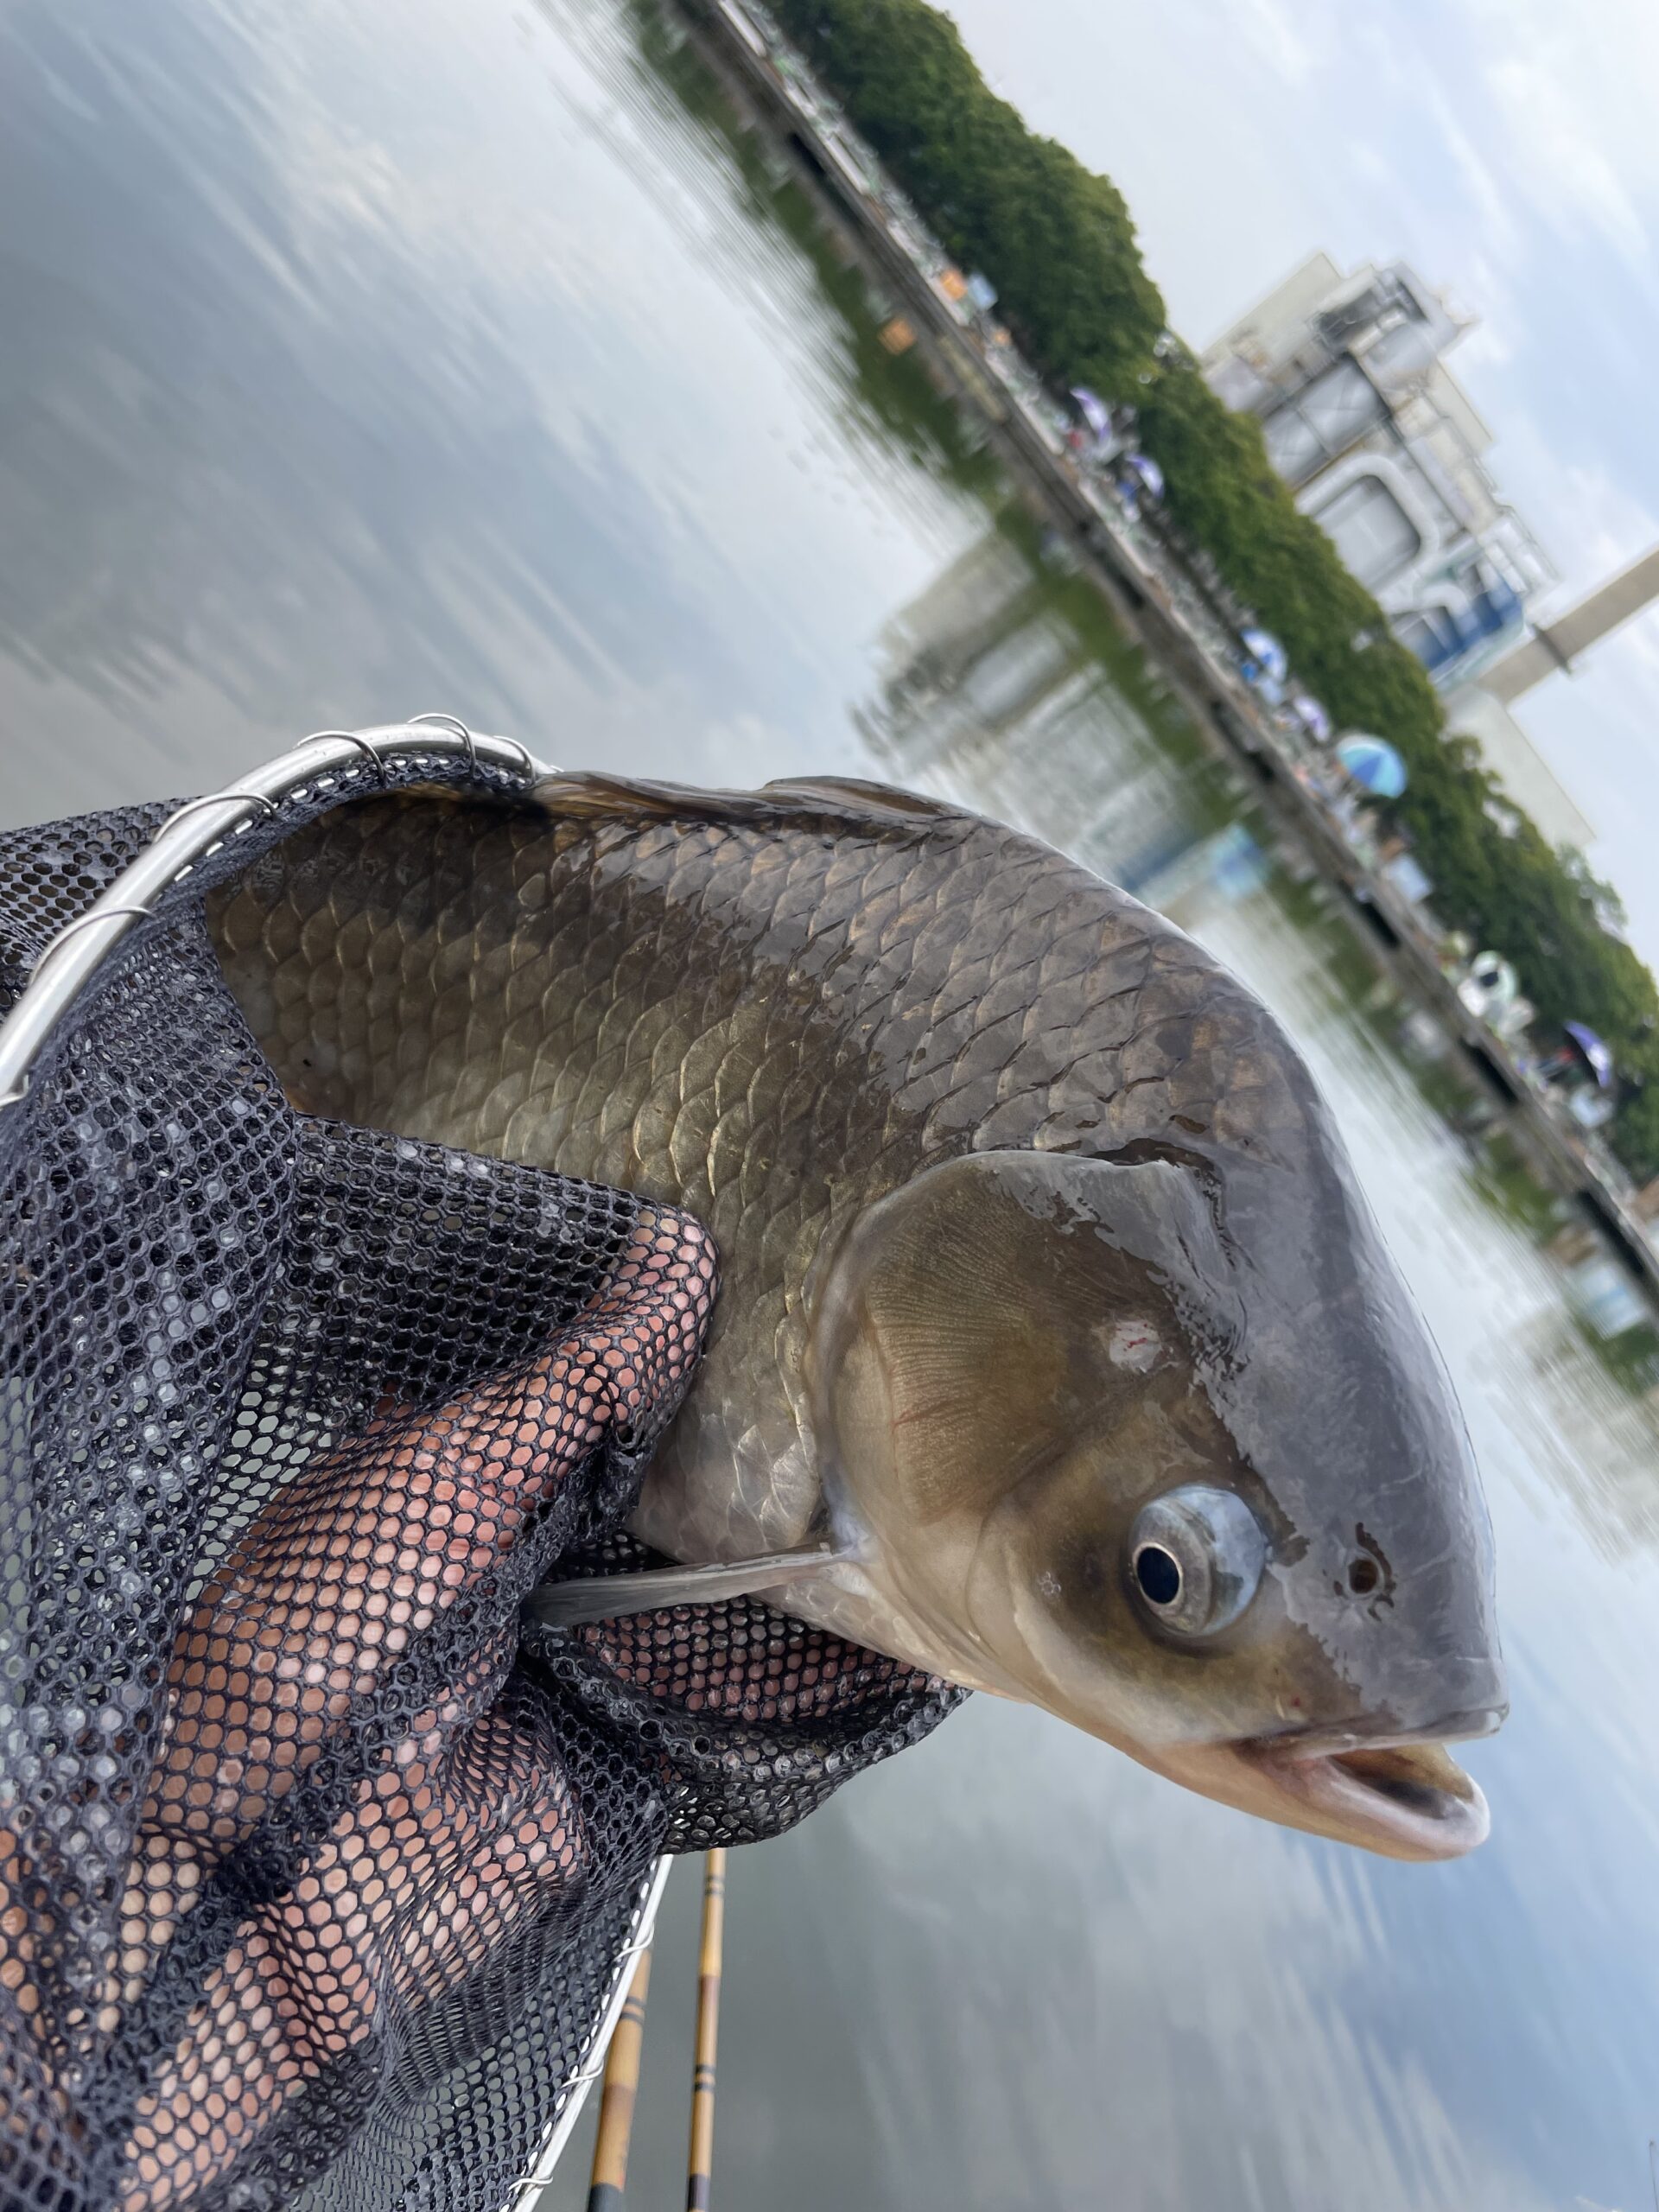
(610,1596)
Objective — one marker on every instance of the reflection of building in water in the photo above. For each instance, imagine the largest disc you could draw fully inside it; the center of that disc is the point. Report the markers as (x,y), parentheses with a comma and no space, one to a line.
(1230,863)
(988,698)
(966,605)
(1599,1288)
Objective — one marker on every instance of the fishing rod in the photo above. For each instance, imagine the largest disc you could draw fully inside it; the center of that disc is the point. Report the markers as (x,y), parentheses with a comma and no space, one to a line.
(620,2097)
(701,2163)
(616,2109)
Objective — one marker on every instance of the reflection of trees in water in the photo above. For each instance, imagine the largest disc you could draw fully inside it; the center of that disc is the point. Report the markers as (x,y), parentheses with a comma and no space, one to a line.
(1599,1446)
(892,400)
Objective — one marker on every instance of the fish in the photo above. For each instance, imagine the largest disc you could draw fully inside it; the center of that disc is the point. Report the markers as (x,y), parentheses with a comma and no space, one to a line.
(1056,1333)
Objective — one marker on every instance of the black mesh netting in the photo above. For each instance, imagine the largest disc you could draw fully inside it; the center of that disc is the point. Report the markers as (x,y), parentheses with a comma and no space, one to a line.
(315,1864)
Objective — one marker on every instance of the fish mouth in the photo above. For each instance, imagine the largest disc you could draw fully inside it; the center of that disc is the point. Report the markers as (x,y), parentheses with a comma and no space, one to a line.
(1407,1800)
(1398,1792)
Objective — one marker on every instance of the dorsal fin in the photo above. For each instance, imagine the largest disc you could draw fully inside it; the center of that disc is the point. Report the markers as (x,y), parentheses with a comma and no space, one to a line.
(845,802)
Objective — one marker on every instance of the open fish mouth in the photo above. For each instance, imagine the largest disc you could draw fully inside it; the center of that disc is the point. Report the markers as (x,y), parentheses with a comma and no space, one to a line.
(1407,1800)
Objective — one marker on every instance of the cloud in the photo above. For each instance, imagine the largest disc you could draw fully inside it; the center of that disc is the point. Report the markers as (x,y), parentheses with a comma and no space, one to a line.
(1272,30)
(1599,522)
(1490,200)
(1573,95)
(1561,162)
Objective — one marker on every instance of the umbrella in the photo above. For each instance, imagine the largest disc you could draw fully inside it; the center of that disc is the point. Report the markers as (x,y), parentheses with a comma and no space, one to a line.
(1148,470)
(1312,716)
(1374,765)
(1594,1054)
(1094,411)
(1265,650)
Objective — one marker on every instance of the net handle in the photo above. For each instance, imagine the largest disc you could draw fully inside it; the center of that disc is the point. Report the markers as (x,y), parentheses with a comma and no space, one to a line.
(200,828)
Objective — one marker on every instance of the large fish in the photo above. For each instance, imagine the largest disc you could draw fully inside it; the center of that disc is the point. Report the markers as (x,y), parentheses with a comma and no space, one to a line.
(1050,1296)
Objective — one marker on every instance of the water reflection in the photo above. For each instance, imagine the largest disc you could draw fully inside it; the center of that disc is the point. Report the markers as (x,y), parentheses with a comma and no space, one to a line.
(1239,1963)
(354,361)
(342,381)
(988,693)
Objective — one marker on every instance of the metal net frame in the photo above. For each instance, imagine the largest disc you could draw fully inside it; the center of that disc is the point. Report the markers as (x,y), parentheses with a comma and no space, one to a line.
(321,1865)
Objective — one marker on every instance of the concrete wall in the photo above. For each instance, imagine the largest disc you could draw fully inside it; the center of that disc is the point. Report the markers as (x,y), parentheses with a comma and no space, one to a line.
(1555,644)
(1523,771)
(1277,324)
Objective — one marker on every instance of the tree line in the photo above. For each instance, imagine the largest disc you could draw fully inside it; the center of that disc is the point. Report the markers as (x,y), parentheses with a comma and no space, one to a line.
(1057,243)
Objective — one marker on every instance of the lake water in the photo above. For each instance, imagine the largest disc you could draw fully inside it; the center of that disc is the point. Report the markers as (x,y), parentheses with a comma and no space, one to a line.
(355,361)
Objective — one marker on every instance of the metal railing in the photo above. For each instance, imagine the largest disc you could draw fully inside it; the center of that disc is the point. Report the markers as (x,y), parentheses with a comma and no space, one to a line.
(190,835)
(200,828)
(641,1929)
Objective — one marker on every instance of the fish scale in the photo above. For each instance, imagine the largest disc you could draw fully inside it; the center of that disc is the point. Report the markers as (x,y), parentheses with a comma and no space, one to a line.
(771,1009)
(1043,1259)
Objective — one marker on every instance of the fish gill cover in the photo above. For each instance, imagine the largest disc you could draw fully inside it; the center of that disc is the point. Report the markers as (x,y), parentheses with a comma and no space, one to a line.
(314,1862)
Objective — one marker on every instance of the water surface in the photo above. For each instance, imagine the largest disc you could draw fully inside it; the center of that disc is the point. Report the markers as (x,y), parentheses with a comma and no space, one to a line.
(358,361)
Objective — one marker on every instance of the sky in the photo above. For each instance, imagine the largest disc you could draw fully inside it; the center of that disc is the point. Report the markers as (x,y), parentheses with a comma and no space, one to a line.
(1510,151)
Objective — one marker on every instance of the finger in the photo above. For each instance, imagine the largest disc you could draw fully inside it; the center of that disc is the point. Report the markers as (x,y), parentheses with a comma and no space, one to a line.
(360,1554)
(418,1886)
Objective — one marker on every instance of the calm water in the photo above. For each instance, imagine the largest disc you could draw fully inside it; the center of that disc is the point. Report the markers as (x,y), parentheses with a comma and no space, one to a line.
(359,360)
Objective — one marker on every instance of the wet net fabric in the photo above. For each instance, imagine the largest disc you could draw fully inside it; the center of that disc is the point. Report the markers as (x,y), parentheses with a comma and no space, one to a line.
(315,1864)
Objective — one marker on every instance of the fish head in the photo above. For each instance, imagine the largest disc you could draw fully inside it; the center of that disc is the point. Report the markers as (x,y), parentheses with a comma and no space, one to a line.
(1170,1453)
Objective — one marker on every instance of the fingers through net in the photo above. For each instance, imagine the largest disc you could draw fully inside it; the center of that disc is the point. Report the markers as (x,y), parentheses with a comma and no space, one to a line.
(315,1864)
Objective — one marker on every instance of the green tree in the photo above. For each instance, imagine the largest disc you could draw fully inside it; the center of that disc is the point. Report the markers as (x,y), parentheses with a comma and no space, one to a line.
(1057,243)
(1055,240)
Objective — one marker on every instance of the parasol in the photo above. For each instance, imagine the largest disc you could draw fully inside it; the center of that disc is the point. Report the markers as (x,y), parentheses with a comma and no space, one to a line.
(1373,764)
(1590,1048)
(1265,650)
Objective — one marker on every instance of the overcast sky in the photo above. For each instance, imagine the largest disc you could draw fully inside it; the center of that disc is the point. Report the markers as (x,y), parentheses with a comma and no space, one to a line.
(1510,151)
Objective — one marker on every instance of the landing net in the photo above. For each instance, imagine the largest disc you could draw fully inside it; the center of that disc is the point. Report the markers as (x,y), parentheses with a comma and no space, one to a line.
(316,1865)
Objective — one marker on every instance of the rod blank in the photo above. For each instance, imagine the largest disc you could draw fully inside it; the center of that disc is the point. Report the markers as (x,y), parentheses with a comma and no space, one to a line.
(701,2162)
(610,2175)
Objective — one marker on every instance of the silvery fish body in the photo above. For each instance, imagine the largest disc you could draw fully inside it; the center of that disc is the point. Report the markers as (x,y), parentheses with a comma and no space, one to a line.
(1031,1218)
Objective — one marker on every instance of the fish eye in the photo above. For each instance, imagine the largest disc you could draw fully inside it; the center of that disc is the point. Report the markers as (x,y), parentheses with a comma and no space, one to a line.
(1197,1556)
(1158,1574)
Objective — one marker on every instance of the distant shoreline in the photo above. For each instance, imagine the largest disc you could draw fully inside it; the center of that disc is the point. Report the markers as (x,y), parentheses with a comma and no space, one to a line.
(1139,585)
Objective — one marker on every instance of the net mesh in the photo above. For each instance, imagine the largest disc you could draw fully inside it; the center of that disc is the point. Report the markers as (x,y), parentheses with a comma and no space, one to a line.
(314,1862)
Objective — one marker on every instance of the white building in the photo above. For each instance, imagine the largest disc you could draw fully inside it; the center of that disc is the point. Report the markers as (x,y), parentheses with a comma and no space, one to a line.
(1384,448)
